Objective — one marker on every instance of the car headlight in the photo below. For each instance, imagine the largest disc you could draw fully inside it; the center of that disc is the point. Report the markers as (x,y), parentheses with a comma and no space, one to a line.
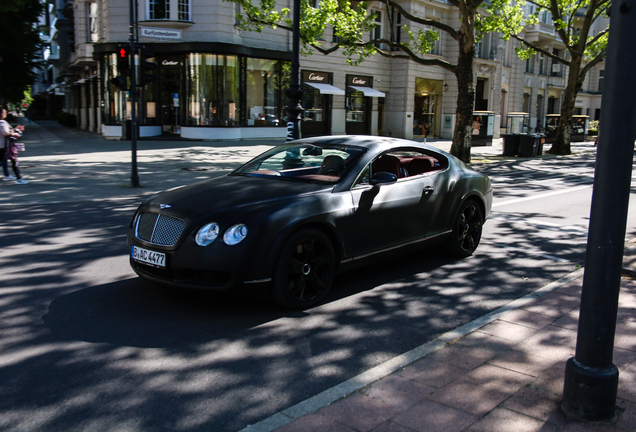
(207,234)
(235,234)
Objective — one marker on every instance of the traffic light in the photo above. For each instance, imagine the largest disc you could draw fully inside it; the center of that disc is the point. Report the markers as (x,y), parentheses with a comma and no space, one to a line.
(145,77)
(123,69)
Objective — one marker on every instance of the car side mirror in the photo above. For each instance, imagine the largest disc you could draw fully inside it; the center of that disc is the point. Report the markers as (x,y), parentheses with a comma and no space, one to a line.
(312,151)
(383,178)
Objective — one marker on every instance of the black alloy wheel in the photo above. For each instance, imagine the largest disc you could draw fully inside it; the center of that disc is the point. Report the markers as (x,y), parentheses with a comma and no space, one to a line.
(466,230)
(305,269)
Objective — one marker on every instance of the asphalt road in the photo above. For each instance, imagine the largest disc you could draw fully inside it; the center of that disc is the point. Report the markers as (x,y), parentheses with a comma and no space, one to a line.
(85,345)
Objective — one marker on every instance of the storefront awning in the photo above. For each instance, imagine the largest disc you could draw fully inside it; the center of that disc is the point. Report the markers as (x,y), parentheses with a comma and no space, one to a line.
(368,91)
(326,88)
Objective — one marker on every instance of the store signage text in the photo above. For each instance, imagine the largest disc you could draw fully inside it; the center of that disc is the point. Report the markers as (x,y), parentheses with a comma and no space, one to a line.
(170,63)
(315,77)
(160,33)
(359,81)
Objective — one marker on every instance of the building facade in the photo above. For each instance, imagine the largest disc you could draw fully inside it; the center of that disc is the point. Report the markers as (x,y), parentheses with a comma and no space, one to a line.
(214,81)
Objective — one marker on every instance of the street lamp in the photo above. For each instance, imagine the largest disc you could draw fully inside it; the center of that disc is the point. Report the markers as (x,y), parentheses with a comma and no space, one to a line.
(294,92)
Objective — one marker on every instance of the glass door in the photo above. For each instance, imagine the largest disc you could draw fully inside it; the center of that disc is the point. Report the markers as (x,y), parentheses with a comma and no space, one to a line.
(171,100)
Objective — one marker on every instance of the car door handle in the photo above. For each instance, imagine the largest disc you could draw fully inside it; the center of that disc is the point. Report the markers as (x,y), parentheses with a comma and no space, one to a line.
(429,189)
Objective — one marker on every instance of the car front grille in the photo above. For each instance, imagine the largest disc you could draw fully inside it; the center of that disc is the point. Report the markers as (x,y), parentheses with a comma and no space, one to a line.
(159,229)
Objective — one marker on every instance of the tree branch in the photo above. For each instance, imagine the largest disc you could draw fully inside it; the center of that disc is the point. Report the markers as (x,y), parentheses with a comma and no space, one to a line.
(543,51)
(408,54)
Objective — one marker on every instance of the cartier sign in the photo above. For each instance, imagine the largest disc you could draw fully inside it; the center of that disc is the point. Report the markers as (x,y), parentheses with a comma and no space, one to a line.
(356,80)
(169,63)
(320,77)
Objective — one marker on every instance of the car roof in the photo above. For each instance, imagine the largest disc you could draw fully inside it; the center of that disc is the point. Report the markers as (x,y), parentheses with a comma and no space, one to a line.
(375,143)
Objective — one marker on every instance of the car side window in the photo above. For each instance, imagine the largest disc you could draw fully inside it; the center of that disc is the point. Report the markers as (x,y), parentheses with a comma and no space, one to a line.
(363,178)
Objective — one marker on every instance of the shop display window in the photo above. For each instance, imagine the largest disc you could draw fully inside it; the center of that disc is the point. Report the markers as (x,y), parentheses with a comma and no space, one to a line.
(264,93)
(212,91)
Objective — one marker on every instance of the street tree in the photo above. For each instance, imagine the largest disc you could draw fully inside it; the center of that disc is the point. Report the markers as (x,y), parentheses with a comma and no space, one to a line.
(20,46)
(573,20)
(351,24)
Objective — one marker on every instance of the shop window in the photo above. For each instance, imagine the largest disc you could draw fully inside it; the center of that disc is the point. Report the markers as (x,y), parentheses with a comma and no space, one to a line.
(264,93)
(213,82)
(112,105)
(356,107)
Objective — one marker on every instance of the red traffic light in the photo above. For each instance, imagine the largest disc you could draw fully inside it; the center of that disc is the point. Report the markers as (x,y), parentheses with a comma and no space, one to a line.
(122,52)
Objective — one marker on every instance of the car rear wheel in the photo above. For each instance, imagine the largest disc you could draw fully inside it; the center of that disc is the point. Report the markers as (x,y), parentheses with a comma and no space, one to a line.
(305,269)
(466,230)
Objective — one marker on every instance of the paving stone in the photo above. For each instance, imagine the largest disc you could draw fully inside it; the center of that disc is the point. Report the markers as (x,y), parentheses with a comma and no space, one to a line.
(522,362)
(552,380)
(623,358)
(552,343)
(537,404)
(389,426)
(625,331)
(398,391)
(626,381)
(464,357)
(527,319)
(432,372)
(575,426)
(429,416)
(626,419)
(569,321)
(509,331)
(314,422)
(553,304)
(503,420)
(481,390)
(360,412)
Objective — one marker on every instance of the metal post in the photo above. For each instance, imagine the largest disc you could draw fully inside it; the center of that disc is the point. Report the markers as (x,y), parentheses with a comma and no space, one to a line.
(591,379)
(134,177)
(294,92)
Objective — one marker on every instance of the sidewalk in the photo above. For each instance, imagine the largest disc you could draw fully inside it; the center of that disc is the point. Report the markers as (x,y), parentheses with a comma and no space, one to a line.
(501,373)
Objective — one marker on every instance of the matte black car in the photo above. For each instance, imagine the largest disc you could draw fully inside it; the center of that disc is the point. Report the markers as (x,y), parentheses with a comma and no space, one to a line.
(287,220)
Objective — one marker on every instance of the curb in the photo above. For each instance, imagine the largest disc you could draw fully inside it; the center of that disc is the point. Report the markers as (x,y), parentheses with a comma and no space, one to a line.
(385,369)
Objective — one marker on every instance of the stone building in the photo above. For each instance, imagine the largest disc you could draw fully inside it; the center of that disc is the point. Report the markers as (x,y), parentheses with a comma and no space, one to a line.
(214,81)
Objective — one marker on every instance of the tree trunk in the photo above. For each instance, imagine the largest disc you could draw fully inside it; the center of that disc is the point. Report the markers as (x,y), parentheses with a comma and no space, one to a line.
(561,145)
(465,100)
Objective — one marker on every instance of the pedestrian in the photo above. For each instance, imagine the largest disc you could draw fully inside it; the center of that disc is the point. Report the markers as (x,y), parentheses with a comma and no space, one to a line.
(10,152)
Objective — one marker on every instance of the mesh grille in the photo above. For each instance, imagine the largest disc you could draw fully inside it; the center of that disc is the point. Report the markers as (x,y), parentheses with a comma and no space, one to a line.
(159,229)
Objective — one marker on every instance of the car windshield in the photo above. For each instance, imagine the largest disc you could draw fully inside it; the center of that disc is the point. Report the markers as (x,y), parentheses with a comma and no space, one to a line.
(304,162)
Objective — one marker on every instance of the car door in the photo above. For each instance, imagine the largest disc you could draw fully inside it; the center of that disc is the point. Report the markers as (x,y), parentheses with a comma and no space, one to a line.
(391,214)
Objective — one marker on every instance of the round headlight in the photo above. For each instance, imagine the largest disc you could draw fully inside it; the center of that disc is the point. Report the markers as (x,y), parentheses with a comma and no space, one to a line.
(207,234)
(235,234)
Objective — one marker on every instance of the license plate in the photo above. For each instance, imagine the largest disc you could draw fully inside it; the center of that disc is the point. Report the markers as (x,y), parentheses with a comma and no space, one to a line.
(156,259)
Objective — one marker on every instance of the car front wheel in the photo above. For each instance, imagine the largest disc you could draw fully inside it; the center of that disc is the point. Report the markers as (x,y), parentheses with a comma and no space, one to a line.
(466,230)
(305,269)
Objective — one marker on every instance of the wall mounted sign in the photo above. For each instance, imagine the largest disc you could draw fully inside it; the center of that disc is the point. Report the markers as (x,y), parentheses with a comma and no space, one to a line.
(159,33)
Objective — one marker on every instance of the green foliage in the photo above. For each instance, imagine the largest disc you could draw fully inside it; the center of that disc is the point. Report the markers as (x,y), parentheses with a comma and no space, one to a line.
(19,46)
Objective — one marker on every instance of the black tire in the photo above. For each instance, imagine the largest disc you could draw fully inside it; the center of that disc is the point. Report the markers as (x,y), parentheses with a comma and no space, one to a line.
(305,270)
(467,228)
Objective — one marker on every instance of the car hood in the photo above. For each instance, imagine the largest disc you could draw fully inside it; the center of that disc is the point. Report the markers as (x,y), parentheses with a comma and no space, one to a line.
(229,192)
